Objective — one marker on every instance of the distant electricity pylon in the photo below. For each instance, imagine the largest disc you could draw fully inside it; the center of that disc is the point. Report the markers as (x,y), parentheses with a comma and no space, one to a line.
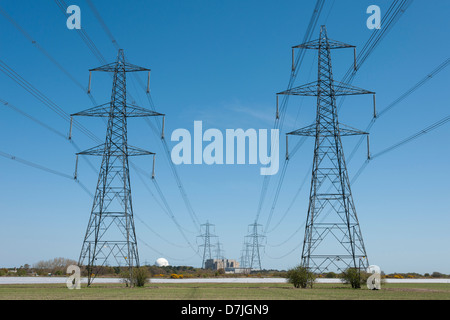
(219,252)
(253,243)
(333,238)
(244,260)
(110,237)
(206,235)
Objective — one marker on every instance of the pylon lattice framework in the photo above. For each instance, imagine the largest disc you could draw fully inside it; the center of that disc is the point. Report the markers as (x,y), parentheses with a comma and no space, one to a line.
(110,237)
(219,252)
(253,243)
(207,246)
(333,239)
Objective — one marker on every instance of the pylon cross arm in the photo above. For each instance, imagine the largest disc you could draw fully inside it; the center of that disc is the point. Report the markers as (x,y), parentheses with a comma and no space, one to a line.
(331,44)
(313,89)
(106,109)
(130,151)
(114,66)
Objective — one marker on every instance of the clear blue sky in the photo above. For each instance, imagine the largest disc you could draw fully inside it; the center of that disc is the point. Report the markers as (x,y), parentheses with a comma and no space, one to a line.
(222,62)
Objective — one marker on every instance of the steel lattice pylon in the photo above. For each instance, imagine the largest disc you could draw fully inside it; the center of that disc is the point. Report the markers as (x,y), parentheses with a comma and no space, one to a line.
(333,239)
(207,246)
(251,254)
(110,237)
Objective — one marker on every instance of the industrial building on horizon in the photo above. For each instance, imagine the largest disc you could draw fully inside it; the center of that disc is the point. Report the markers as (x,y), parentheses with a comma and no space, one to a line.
(228,265)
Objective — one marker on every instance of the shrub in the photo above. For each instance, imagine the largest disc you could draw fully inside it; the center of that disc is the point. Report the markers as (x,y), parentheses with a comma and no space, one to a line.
(354,277)
(140,276)
(21,272)
(300,277)
(125,278)
(437,275)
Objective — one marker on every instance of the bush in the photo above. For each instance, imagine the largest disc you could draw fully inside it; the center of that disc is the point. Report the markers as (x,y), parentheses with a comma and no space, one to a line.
(354,277)
(139,279)
(21,272)
(140,276)
(125,278)
(437,275)
(300,277)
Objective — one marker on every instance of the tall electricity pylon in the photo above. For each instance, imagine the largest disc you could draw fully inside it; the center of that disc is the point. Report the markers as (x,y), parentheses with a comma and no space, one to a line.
(110,237)
(333,239)
(252,245)
(207,246)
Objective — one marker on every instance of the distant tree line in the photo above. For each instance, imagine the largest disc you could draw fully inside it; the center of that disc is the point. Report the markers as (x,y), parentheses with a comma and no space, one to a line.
(58,267)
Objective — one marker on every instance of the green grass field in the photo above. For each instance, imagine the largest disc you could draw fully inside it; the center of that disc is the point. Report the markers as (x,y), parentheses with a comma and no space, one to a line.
(212,291)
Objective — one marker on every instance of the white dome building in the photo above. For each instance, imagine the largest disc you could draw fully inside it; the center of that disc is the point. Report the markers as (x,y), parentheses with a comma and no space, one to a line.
(161,262)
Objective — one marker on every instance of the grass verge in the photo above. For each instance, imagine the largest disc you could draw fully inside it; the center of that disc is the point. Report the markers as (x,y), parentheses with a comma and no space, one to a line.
(220,291)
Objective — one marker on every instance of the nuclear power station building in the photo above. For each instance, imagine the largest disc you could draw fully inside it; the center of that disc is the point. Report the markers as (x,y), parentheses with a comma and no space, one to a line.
(228,265)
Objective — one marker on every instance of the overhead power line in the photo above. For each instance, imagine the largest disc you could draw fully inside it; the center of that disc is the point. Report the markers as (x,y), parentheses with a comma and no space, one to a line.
(419,84)
(96,52)
(52,171)
(40,48)
(279,119)
(396,102)
(174,170)
(46,126)
(413,137)
(45,169)
(23,113)
(82,33)
(40,96)
(7,70)
(103,24)
(390,18)
(35,165)
(392,15)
